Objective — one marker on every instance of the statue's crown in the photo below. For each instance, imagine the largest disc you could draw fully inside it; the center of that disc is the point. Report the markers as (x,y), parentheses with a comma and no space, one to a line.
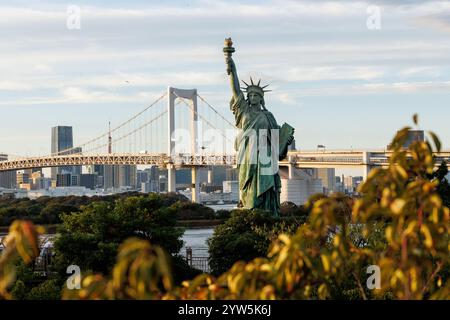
(255,87)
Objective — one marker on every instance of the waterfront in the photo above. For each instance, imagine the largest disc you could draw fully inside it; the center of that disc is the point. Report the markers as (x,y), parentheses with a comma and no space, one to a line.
(193,238)
(197,240)
(229,206)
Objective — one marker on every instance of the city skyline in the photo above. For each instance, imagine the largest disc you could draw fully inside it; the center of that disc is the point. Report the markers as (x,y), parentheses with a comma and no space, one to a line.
(339,83)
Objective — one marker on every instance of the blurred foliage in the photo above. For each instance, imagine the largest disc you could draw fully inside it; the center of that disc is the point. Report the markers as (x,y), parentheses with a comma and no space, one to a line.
(21,241)
(443,187)
(417,232)
(400,223)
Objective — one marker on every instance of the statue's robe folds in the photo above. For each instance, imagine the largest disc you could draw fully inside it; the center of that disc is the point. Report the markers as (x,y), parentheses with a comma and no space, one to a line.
(259,181)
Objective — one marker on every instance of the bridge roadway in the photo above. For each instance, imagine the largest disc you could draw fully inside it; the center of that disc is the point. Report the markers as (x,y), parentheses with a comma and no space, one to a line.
(299,159)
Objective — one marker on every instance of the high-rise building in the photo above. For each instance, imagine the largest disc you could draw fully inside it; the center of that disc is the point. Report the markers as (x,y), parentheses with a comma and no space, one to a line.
(349,184)
(62,143)
(339,185)
(64,180)
(43,183)
(108,176)
(149,186)
(231,174)
(153,173)
(88,180)
(75,180)
(142,177)
(22,178)
(413,136)
(8,179)
(327,175)
(298,191)
(358,180)
(219,175)
(352,183)
(32,170)
(162,182)
(38,181)
(233,188)
(99,171)
(127,176)
(152,182)
(116,176)
(183,177)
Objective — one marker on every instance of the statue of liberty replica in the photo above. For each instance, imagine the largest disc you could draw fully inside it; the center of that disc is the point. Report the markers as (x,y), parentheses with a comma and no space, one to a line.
(260,143)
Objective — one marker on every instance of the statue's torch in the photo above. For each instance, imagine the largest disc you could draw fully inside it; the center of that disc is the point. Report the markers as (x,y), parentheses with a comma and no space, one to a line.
(228,51)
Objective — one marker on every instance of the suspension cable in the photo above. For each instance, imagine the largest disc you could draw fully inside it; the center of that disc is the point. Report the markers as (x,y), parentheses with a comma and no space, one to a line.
(204,119)
(113,130)
(217,112)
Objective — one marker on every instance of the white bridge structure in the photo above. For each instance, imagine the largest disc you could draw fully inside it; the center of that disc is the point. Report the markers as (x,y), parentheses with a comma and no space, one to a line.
(154,136)
(365,160)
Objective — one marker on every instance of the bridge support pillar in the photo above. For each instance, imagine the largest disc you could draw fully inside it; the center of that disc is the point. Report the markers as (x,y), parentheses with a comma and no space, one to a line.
(210,175)
(366,163)
(366,171)
(290,168)
(195,188)
(171,180)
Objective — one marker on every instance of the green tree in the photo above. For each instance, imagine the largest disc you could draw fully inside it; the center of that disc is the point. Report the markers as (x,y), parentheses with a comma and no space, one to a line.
(47,290)
(246,235)
(32,286)
(192,211)
(90,238)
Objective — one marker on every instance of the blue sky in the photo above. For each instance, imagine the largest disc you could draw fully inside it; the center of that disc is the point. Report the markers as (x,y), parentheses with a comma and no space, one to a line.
(339,83)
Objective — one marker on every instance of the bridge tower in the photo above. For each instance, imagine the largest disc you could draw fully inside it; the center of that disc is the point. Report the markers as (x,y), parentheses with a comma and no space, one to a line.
(191,94)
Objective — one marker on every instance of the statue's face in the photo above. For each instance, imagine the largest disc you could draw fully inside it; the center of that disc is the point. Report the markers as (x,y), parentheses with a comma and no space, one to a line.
(254,99)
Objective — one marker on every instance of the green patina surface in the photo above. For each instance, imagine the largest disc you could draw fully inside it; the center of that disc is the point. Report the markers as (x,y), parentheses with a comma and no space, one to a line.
(260,144)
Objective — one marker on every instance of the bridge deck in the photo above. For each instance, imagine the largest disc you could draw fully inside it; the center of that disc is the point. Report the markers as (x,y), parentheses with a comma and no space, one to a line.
(298,158)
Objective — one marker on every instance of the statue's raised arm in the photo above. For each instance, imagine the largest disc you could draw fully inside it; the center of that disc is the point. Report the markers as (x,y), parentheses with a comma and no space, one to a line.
(231,68)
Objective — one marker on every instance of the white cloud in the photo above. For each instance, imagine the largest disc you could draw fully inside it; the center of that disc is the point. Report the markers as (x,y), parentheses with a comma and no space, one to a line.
(425,71)
(203,9)
(287,98)
(423,86)
(437,22)
(71,95)
(372,88)
(333,73)
(9,85)
(42,68)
